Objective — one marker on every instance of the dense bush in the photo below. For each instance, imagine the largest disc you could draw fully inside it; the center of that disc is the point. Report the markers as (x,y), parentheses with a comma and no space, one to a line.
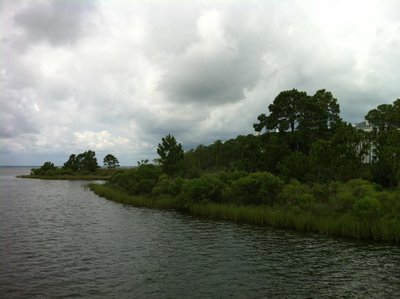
(230,176)
(47,168)
(296,194)
(168,186)
(343,196)
(390,203)
(368,207)
(357,197)
(139,180)
(255,188)
(360,188)
(207,187)
(294,166)
(356,208)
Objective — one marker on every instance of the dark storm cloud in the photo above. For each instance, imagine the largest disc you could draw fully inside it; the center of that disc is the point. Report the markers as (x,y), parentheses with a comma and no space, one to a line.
(119,74)
(56,21)
(217,68)
(211,81)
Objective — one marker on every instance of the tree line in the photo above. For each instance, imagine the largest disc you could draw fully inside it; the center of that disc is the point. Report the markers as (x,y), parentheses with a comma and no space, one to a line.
(300,137)
(304,138)
(302,170)
(85,162)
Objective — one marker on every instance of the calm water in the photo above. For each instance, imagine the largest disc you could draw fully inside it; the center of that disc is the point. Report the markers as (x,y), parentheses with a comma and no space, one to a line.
(57,239)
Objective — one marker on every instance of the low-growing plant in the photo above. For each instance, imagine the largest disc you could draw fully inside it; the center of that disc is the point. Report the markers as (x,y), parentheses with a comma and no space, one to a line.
(256,188)
(47,168)
(343,196)
(207,187)
(139,180)
(168,186)
(296,194)
(343,200)
(390,205)
(320,192)
(367,208)
(360,188)
(231,176)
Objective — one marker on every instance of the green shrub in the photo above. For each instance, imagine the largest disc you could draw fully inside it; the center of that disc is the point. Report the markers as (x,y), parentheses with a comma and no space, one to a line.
(360,188)
(139,180)
(255,188)
(389,204)
(344,200)
(343,196)
(207,187)
(229,177)
(367,207)
(296,194)
(64,171)
(168,186)
(320,192)
(295,166)
(47,168)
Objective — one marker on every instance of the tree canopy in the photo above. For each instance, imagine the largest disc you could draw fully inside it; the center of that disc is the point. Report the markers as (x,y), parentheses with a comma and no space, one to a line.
(294,110)
(110,161)
(385,116)
(304,138)
(85,161)
(285,112)
(385,120)
(171,155)
(46,169)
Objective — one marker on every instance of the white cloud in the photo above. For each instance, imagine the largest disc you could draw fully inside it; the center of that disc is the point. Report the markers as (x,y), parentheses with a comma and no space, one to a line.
(102,141)
(118,75)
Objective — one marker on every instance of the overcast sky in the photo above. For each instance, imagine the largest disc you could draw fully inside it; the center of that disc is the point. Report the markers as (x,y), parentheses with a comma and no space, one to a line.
(115,76)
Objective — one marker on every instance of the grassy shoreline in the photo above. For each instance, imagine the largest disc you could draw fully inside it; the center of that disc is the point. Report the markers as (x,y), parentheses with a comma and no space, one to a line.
(69,177)
(343,225)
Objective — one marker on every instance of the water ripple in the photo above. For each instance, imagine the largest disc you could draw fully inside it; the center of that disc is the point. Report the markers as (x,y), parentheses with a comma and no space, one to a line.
(59,240)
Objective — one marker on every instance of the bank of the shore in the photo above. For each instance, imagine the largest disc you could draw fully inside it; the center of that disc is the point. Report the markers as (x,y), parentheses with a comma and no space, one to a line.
(69,177)
(344,225)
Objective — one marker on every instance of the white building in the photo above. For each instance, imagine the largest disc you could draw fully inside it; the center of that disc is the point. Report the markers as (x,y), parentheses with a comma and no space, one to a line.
(370,156)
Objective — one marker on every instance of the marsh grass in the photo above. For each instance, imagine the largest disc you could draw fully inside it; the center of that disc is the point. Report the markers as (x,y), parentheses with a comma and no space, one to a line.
(318,221)
(335,225)
(121,196)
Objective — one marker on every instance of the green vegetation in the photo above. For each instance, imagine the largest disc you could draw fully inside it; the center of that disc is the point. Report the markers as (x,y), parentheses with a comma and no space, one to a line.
(164,202)
(83,166)
(305,170)
(171,155)
(303,137)
(357,208)
(83,162)
(110,161)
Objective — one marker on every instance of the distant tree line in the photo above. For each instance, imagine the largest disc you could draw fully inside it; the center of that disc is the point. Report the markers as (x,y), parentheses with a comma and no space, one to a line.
(85,162)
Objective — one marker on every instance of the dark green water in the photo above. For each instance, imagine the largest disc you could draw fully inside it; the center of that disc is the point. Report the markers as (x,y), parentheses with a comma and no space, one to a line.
(57,240)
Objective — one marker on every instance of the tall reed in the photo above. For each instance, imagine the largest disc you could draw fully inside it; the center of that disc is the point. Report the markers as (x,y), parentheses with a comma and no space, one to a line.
(333,223)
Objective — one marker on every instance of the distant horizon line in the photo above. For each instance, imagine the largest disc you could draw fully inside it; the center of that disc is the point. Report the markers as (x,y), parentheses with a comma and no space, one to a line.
(27,166)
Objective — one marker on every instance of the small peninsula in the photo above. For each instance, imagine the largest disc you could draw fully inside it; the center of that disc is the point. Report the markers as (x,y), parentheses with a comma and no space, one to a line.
(306,169)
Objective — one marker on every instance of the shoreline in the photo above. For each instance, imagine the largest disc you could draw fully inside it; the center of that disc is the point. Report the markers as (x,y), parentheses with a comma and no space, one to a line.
(343,226)
(81,177)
